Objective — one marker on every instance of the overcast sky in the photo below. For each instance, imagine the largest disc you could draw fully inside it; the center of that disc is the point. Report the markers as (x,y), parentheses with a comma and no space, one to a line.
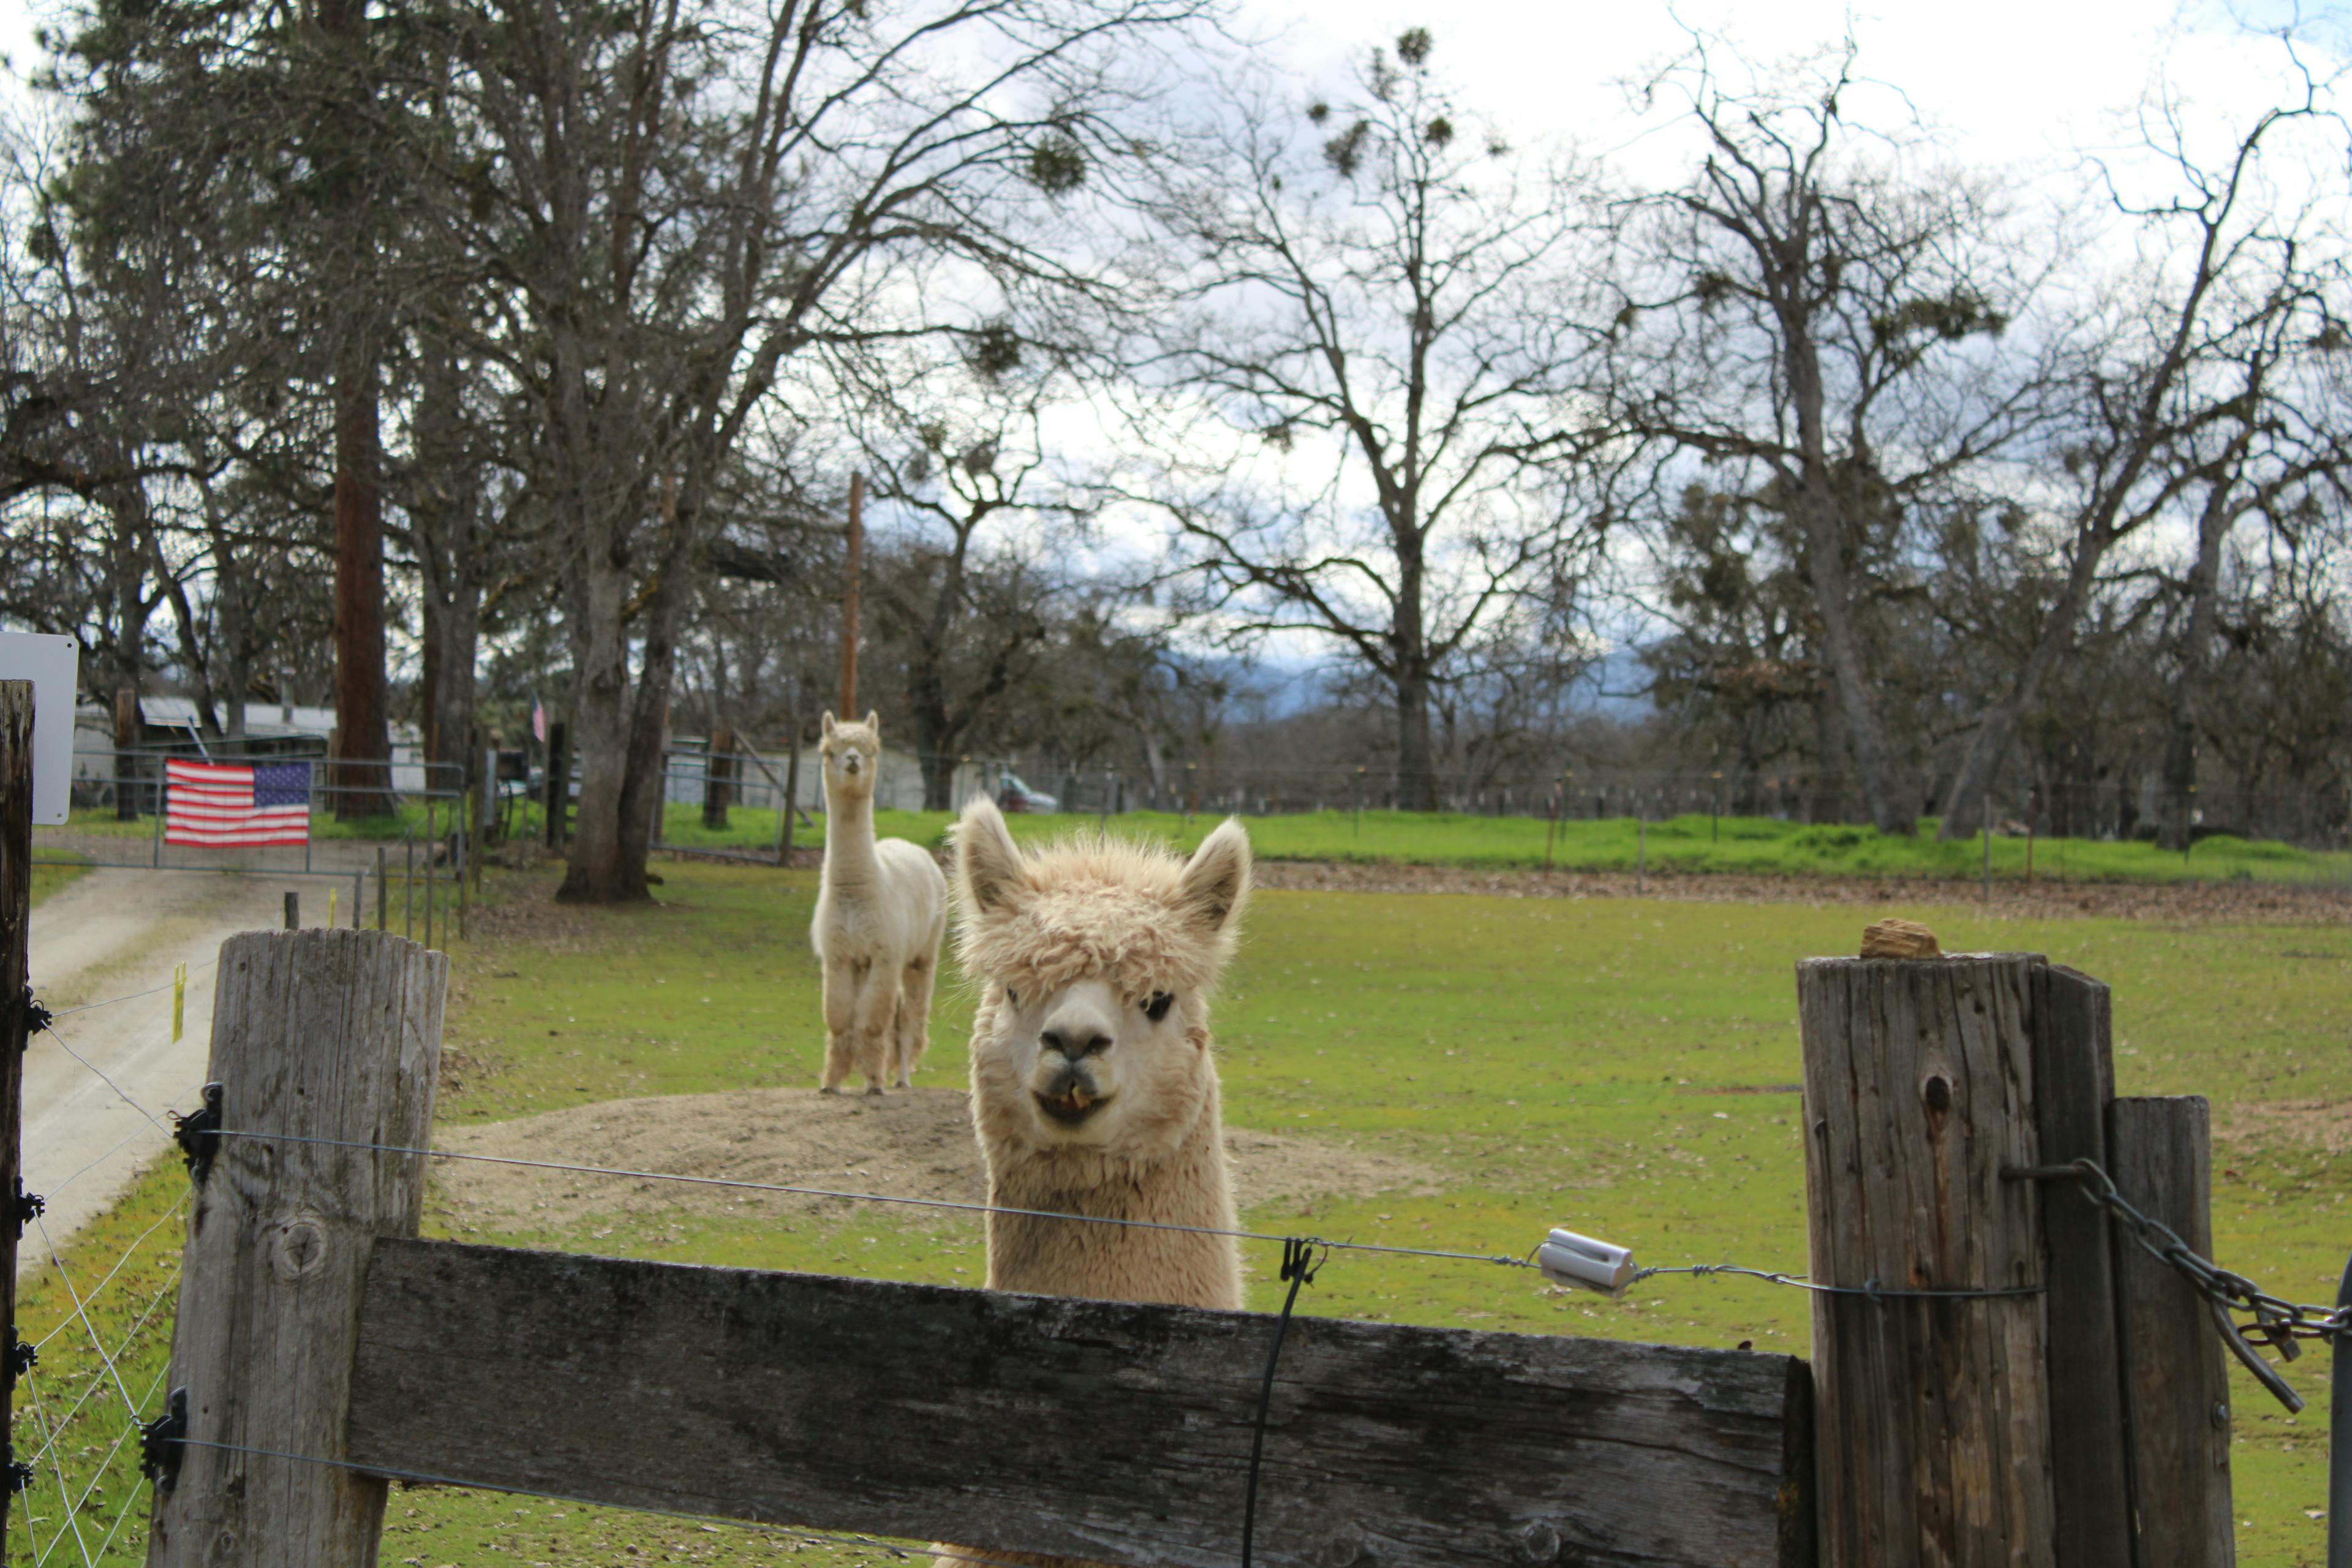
(2018,82)
(2013,79)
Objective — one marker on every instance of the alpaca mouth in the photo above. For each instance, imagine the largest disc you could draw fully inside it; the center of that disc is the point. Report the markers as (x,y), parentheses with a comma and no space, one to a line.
(1070,1111)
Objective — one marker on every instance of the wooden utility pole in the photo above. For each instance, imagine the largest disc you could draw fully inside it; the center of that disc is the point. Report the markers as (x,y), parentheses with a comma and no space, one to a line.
(317,1034)
(849,600)
(16,905)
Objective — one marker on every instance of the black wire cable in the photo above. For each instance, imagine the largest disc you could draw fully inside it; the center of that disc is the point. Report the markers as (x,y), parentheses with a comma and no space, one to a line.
(1298,1271)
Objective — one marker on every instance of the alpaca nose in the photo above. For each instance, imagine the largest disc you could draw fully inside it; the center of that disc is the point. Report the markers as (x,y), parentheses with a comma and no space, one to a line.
(1074,1045)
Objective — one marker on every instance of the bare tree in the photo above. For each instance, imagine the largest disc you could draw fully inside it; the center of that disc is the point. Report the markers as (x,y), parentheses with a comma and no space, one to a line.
(1353,416)
(978,553)
(666,205)
(1808,320)
(2236,276)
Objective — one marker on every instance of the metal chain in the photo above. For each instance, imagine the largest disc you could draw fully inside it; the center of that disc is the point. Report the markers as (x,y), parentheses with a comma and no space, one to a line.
(2276,1320)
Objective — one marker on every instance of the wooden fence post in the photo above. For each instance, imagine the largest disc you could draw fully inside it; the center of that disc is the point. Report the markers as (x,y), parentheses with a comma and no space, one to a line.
(317,1034)
(16,924)
(2176,1382)
(2073,1084)
(1932,1414)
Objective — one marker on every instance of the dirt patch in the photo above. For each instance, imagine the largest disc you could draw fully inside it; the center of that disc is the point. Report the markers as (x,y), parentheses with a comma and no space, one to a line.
(2324,1125)
(2187,901)
(916,1144)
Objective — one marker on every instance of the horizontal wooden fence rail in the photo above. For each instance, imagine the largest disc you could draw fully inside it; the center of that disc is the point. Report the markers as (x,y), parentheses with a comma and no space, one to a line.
(1102,1429)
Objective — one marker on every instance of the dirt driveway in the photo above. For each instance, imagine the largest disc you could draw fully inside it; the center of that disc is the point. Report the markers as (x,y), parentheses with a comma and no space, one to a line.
(98,1083)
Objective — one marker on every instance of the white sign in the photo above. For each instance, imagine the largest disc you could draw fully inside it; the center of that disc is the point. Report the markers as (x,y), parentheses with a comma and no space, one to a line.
(50,664)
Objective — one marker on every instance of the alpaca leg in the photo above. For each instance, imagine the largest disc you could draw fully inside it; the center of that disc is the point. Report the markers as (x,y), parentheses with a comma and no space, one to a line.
(842,980)
(914,1016)
(878,1002)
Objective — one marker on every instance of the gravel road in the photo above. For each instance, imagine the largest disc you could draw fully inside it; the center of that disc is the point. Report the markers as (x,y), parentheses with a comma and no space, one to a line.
(98,1083)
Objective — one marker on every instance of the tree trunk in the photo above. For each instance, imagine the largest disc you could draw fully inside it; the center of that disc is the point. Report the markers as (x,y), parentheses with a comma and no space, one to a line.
(1416,766)
(363,771)
(1830,758)
(938,780)
(1964,801)
(621,733)
(597,872)
(2179,776)
(1828,529)
(1857,697)
(1416,761)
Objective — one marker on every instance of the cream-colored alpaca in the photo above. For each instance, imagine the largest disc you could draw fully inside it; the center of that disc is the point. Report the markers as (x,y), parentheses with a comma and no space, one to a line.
(1093,1088)
(881,911)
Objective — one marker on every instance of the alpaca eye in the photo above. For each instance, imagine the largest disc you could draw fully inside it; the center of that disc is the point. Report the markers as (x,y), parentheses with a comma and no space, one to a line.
(1012,997)
(1157,1008)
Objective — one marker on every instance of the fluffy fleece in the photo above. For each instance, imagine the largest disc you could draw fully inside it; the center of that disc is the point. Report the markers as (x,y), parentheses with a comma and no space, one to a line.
(1094,1088)
(881,913)
(1083,938)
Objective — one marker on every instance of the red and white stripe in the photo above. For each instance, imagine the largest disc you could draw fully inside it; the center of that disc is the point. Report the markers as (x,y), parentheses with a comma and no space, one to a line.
(210,805)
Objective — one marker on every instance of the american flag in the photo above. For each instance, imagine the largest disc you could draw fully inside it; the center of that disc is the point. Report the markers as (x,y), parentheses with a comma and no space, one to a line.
(215,804)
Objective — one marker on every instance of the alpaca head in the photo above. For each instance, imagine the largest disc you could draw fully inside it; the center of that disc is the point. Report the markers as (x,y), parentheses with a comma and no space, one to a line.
(852,752)
(1097,958)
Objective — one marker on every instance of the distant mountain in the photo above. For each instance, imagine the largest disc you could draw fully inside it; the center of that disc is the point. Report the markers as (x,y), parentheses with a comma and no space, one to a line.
(1614,687)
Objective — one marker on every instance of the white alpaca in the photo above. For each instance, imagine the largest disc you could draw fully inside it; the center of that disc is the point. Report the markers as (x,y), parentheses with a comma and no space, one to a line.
(880,913)
(1093,1087)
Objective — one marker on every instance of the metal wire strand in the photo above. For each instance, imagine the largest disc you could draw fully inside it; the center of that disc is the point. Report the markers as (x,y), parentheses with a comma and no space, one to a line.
(1869,1290)
(57,1469)
(134,995)
(109,1083)
(96,1384)
(176,1211)
(82,1311)
(873,1197)
(97,1477)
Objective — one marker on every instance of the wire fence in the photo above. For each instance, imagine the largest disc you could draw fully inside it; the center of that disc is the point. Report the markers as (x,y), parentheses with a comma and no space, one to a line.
(96,1357)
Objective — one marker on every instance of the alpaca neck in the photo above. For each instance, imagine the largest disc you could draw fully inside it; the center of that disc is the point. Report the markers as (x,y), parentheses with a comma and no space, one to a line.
(1186,1186)
(850,855)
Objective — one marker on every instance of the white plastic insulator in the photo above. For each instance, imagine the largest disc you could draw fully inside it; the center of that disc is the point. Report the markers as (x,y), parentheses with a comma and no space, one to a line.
(1568,1259)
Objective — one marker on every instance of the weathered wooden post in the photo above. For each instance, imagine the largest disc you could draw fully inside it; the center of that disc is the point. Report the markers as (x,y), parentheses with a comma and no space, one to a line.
(317,1034)
(15,929)
(1922,1087)
(2176,1382)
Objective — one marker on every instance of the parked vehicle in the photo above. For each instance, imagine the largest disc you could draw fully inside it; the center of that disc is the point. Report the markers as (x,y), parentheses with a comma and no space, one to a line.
(1013,795)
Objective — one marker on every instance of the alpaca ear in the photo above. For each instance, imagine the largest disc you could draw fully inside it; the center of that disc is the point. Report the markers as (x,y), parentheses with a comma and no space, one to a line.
(988,869)
(827,723)
(874,721)
(1216,881)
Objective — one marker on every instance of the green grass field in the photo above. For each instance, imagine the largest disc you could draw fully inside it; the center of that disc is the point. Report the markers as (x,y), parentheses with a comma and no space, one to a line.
(1746,845)
(1761,846)
(1620,1066)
